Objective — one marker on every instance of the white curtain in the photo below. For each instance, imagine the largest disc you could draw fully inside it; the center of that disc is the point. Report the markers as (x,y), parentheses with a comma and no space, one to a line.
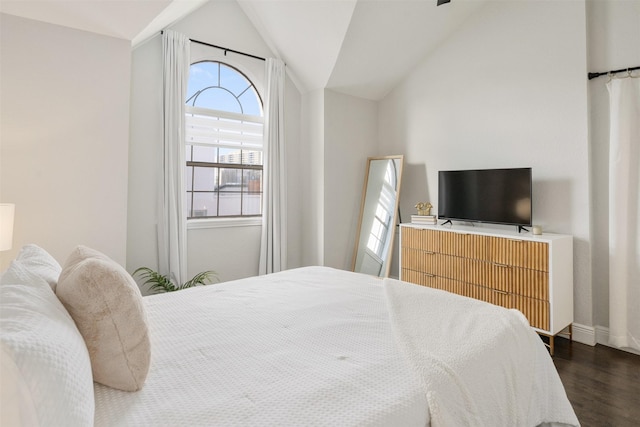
(273,246)
(172,223)
(624,212)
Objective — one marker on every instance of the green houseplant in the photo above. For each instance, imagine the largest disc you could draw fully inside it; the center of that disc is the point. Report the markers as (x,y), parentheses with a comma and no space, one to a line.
(160,283)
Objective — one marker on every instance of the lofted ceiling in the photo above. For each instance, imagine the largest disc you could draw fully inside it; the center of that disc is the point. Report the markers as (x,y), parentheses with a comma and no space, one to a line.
(358,47)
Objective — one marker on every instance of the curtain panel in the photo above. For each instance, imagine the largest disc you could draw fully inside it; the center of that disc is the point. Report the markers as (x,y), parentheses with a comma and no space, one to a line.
(172,222)
(273,245)
(624,212)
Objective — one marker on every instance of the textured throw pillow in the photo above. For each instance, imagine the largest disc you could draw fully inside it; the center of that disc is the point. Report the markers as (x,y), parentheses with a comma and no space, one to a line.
(33,264)
(45,356)
(106,304)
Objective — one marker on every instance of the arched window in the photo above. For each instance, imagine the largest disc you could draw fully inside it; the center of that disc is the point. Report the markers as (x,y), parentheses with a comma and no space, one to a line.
(224,121)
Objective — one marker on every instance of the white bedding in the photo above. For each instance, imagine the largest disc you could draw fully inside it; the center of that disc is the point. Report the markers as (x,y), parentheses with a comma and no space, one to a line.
(305,347)
(482,365)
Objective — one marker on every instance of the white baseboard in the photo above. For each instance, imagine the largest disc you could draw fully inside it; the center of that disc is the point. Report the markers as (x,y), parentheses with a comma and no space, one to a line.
(584,334)
(602,337)
(591,335)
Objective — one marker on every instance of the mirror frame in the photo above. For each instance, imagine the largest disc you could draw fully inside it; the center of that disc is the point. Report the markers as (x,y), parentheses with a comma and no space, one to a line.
(387,259)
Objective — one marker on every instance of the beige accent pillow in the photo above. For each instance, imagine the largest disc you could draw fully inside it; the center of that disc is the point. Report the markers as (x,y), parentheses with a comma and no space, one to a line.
(106,305)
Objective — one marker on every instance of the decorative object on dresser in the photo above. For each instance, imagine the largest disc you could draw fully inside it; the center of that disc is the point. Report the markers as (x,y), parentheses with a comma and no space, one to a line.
(424,208)
(533,274)
(424,219)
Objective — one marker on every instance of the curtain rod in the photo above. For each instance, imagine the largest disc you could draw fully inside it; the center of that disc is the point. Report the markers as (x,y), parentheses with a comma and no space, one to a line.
(594,75)
(226,49)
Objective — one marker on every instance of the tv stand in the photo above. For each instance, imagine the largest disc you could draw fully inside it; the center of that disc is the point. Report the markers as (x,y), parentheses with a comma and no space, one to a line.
(520,228)
(447,222)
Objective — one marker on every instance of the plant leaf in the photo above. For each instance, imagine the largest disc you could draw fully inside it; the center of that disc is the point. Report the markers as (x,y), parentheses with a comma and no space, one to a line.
(203,278)
(156,281)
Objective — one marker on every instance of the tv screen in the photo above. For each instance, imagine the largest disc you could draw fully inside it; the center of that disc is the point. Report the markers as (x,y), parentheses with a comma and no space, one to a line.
(497,196)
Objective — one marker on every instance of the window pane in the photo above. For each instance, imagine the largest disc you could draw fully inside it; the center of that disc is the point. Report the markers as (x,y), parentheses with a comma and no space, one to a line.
(251,203)
(253,181)
(233,80)
(251,103)
(251,157)
(217,99)
(187,154)
(230,203)
(188,182)
(204,154)
(204,204)
(189,200)
(230,155)
(202,75)
(230,180)
(204,179)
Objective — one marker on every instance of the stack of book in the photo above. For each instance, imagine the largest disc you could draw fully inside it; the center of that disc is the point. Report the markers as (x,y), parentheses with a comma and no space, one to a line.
(424,219)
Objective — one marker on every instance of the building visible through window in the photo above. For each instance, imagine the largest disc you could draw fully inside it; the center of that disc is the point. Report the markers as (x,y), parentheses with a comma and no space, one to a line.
(223,140)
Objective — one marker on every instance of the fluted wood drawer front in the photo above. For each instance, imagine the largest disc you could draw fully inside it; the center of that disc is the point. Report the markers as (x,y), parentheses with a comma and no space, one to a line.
(453,286)
(492,296)
(419,278)
(464,245)
(537,311)
(463,269)
(520,253)
(418,238)
(521,281)
(419,260)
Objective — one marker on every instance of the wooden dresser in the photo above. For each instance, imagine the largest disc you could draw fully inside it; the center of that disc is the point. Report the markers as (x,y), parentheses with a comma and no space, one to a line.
(533,274)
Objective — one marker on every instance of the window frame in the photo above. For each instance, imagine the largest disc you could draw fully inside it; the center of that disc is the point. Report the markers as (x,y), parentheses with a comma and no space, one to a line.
(195,222)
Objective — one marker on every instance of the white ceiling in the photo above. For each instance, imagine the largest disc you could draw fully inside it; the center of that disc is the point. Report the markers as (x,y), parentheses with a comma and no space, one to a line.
(359,47)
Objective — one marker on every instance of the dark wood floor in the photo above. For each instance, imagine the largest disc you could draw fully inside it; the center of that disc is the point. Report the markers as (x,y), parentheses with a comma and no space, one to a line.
(603,384)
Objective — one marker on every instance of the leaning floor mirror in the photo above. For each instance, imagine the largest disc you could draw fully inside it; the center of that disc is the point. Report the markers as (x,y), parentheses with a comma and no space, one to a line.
(378,215)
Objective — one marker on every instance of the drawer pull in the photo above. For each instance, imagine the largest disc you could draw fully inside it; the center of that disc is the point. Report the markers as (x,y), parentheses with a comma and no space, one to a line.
(429,275)
(428,253)
(500,292)
(502,265)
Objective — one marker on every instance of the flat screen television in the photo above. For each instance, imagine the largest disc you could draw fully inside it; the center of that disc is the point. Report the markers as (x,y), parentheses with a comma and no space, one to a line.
(496,196)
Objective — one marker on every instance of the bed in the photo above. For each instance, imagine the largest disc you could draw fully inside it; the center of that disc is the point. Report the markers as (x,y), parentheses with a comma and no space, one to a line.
(311,346)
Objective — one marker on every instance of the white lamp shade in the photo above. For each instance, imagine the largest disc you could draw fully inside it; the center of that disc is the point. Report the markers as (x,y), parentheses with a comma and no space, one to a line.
(6,225)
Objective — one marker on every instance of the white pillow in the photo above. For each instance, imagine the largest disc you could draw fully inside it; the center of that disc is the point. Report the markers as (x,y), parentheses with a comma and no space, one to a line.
(18,408)
(106,304)
(41,339)
(33,263)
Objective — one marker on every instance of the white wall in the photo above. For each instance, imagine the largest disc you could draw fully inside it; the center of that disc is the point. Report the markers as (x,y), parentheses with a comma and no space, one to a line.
(507,90)
(64,131)
(350,136)
(312,179)
(232,251)
(613,29)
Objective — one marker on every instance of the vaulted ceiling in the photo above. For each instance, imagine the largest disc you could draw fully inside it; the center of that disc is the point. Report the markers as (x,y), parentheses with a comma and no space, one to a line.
(359,47)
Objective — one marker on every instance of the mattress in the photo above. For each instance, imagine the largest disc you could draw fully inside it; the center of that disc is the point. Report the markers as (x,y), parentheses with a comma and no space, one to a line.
(310,346)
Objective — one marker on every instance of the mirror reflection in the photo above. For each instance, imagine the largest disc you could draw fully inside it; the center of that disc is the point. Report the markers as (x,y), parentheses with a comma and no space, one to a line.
(378,216)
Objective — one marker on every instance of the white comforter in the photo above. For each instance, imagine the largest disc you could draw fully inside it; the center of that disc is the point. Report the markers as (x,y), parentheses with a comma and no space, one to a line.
(482,365)
(315,346)
(305,347)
